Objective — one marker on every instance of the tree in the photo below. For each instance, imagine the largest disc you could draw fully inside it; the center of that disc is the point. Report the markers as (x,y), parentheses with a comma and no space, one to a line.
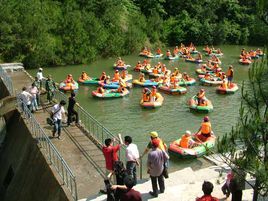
(250,135)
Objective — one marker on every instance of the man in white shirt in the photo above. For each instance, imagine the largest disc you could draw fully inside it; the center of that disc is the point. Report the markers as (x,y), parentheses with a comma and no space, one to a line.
(26,98)
(57,112)
(132,156)
(40,76)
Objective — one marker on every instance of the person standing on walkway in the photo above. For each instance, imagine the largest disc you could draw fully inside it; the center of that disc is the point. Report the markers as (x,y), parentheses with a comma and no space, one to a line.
(50,88)
(71,110)
(237,184)
(110,153)
(26,98)
(37,83)
(155,165)
(34,91)
(132,157)
(154,135)
(40,76)
(57,113)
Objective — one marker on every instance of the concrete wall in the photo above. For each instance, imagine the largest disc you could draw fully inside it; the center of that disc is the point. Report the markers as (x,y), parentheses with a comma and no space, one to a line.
(24,173)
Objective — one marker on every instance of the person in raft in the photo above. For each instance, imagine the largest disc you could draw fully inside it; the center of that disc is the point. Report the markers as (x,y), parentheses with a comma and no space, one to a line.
(187,141)
(100,90)
(168,53)
(107,80)
(230,75)
(200,96)
(141,78)
(103,76)
(69,79)
(205,130)
(146,95)
(116,76)
(84,76)
(154,94)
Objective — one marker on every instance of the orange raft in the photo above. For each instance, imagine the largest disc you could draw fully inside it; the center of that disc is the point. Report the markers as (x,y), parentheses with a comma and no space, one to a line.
(230,90)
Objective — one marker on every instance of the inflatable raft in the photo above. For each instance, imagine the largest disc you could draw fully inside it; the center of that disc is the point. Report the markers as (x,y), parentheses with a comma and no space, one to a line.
(109,93)
(214,82)
(233,88)
(189,82)
(124,67)
(147,83)
(194,107)
(194,152)
(245,62)
(171,58)
(198,61)
(173,91)
(92,80)
(153,104)
(68,87)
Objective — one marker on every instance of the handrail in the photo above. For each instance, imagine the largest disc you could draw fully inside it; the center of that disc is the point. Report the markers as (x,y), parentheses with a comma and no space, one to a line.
(94,128)
(51,152)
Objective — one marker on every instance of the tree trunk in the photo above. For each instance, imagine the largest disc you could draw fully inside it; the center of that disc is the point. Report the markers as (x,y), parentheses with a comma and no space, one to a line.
(256,192)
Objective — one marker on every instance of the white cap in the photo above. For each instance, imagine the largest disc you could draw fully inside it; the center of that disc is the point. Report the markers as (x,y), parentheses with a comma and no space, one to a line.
(41,69)
(188,132)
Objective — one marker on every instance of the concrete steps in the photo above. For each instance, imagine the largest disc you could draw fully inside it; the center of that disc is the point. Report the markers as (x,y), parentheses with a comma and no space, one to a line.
(184,185)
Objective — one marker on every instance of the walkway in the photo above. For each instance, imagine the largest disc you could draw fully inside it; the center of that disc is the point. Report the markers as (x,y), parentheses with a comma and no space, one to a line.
(75,147)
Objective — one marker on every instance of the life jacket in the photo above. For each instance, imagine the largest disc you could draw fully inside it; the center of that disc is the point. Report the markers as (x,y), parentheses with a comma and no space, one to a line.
(162,145)
(116,76)
(224,85)
(124,75)
(153,92)
(205,128)
(102,77)
(145,97)
(163,69)
(155,71)
(230,73)
(184,143)
(172,79)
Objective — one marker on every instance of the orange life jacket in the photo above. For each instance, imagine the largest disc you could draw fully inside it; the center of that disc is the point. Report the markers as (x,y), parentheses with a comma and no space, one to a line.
(205,128)
(145,97)
(172,79)
(184,143)
(155,71)
(116,77)
(230,73)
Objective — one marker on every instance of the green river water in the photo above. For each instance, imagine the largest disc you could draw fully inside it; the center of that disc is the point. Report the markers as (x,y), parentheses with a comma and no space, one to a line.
(172,119)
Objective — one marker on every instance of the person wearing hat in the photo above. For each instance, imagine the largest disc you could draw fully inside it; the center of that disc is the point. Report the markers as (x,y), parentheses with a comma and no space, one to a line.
(154,135)
(187,141)
(71,110)
(155,165)
(57,112)
(50,88)
(40,76)
(205,130)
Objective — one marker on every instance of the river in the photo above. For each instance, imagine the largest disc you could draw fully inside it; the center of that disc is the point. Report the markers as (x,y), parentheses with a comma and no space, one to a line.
(172,119)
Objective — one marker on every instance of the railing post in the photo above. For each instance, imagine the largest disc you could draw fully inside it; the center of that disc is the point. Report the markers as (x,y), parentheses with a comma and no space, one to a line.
(140,168)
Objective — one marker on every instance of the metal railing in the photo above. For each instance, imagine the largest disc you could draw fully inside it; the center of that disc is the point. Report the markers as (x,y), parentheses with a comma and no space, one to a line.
(94,128)
(51,152)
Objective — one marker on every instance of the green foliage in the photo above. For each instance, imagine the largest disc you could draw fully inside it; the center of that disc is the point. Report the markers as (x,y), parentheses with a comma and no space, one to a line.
(44,32)
(250,136)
